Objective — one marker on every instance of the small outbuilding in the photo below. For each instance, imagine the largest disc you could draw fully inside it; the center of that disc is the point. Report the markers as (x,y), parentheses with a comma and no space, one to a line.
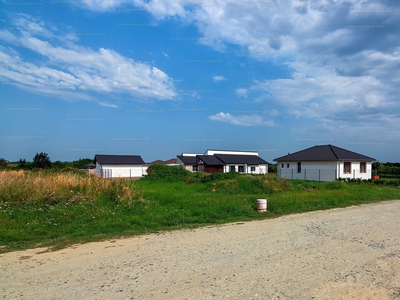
(117,166)
(324,163)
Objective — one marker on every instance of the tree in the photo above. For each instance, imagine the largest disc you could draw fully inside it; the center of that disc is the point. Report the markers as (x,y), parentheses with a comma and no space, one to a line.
(3,163)
(42,161)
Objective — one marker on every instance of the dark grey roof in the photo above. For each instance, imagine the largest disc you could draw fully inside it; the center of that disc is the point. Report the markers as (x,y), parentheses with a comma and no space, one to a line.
(118,159)
(187,160)
(324,152)
(210,160)
(240,159)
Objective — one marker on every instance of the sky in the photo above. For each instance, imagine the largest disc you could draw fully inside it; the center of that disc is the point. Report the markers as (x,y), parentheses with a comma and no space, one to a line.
(158,78)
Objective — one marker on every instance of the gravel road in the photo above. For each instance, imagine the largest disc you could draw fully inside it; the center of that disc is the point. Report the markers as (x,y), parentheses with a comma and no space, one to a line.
(346,253)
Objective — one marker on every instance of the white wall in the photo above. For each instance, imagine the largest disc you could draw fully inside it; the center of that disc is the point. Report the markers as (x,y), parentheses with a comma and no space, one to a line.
(117,171)
(355,170)
(322,171)
(259,169)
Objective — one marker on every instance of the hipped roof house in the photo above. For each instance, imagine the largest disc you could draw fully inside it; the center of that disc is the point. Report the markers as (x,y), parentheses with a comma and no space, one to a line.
(324,153)
(324,163)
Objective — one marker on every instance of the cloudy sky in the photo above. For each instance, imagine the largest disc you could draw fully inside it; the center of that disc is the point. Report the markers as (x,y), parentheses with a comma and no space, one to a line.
(158,78)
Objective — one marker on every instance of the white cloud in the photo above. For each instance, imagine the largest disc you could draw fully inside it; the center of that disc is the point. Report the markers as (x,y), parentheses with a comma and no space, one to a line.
(241,92)
(243,120)
(70,69)
(218,78)
(343,55)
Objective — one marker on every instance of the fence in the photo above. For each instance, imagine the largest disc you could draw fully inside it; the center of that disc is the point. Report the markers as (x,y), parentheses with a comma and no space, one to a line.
(308,174)
(321,174)
(123,173)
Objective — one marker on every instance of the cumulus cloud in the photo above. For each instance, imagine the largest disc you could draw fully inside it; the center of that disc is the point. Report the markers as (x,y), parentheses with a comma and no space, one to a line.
(343,56)
(71,71)
(241,92)
(242,120)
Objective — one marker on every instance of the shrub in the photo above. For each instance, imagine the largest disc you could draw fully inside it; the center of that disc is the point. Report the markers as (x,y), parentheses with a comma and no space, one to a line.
(214,177)
(167,173)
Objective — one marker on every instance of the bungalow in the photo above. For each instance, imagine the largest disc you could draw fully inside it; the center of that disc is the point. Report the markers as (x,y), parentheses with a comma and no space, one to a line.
(113,166)
(225,161)
(188,161)
(324,163)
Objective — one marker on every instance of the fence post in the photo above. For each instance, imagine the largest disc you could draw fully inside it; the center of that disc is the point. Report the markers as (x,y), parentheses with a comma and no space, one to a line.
(305,174)
(292,173)
(319,174)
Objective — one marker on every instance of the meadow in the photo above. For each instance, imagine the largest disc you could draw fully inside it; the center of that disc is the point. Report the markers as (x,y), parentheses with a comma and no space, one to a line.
(57,209)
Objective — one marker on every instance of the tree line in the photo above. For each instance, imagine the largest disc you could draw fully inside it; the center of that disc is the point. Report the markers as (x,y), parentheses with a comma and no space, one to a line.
(42,161)
(387,170)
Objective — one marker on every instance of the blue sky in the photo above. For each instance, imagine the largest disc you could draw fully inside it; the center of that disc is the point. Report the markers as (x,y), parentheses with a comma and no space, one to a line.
(158,78)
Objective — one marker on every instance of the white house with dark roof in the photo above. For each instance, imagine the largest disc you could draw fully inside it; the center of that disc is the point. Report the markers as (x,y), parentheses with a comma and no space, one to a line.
(224,161)
(324,163)
(117,166)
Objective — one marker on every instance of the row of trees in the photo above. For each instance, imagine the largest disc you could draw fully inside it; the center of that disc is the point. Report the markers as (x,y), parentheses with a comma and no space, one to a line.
(42,161)
(387,170)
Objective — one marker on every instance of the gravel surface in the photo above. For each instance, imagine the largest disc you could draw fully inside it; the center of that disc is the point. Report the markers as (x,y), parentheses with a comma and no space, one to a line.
(346,253)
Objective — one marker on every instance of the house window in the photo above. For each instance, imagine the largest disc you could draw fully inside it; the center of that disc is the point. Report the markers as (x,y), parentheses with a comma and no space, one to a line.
(299,167)
(363,167)
(252,169)
(194,168)
(232,169)
(282,165)
(347,168)
(241,169)
(287,165)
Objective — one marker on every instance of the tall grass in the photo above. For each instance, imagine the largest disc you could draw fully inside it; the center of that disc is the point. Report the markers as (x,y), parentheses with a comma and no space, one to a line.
(49,187)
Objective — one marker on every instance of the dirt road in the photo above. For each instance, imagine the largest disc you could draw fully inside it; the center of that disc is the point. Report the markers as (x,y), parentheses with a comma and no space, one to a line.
(350,253)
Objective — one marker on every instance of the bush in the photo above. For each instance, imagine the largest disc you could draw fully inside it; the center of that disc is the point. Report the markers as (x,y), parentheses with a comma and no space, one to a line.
(218,176)
(167,173)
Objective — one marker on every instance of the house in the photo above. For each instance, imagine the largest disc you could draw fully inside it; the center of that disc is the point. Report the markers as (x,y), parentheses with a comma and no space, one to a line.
(114,166)
(324,163)
(188,161)
(225,161)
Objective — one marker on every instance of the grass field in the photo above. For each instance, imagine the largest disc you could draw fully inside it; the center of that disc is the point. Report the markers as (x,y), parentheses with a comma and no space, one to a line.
(58,209)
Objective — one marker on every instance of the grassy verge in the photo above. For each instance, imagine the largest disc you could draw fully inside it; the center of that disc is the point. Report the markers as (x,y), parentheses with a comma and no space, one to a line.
(59,209)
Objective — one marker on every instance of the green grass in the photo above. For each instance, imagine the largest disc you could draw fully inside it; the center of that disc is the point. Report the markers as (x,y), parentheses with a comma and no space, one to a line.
(111,209)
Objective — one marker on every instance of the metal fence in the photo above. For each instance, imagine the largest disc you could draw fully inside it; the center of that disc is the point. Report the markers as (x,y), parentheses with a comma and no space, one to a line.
(308,174)
(320,174)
